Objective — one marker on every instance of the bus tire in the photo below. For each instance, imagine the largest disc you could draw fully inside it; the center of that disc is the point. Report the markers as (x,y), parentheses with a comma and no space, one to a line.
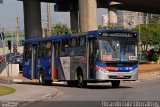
(48,82)
(115,84)
(42,81)
(72,83)
(81,83)
(41,78)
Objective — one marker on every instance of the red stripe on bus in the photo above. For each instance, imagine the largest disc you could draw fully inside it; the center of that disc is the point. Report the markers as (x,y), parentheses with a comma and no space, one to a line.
(106,68)
(54,71)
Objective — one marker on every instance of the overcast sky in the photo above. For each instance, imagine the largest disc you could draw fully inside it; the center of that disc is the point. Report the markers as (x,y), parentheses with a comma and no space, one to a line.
(10,9)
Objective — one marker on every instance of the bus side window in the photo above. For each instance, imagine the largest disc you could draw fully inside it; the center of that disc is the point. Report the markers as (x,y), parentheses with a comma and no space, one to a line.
(28,49)
(64,47)
(45,49)
(81,46)
(40,53)
(48,49)
(73,44)
(49,53)
(57,49)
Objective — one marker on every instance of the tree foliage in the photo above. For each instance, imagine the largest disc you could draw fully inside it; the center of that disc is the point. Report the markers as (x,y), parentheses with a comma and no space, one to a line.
(59,29)
(149,34)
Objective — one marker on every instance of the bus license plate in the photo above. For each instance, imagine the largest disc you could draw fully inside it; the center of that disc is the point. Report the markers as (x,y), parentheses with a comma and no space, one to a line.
(120,76)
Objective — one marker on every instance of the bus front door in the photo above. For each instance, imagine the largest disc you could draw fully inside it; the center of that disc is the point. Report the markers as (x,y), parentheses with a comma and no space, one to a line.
(91,57)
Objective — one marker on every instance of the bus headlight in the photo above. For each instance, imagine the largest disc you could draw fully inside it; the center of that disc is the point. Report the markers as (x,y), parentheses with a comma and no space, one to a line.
(103,70)
(134,71)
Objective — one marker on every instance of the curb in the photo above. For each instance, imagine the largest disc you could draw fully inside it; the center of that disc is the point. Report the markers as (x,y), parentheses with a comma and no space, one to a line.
(42,98)
(47,96)
(17,80)
(53,93)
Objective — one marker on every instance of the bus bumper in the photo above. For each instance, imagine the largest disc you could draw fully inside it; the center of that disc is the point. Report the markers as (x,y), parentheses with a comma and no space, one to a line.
(130,76)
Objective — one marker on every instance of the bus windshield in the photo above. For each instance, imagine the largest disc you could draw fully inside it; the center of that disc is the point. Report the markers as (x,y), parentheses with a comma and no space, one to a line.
(116,50)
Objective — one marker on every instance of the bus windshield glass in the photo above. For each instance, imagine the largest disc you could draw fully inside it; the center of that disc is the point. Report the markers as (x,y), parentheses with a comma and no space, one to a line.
(116,50)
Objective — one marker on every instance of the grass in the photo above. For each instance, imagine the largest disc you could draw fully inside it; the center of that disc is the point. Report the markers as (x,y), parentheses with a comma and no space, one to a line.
(6,90)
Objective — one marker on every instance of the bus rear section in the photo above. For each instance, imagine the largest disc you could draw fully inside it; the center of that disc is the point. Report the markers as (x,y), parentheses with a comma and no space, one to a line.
(37,60)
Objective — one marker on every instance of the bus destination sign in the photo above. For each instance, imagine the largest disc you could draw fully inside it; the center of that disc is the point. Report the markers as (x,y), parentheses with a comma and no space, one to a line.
(118,34)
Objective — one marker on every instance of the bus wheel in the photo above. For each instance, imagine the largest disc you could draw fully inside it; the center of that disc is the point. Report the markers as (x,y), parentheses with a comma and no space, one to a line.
(115,84)
(48,82)
(72,83)
(81,82)
(41,79)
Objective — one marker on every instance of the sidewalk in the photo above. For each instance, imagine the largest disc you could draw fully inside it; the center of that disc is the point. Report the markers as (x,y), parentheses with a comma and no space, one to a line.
(149,71)
(29,92)
(148,67)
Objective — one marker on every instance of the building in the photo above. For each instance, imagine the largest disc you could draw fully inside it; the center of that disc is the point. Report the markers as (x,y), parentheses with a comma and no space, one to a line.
(105,20)
(129,19)
(155,17)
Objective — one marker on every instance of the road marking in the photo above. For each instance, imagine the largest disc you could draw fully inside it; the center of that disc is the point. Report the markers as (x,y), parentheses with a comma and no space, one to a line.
(59,83)
(134,81)
(17,80)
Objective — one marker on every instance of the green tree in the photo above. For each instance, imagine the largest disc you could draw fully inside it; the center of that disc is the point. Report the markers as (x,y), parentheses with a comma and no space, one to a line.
(59,29)
(149,35)
(100,27)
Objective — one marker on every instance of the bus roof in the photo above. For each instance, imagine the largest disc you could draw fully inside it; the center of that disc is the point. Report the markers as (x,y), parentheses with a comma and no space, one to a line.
(48,38)
(94,32)
(111,30)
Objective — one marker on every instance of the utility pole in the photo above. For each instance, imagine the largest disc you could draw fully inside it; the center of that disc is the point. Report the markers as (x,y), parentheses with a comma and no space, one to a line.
(139,28)
(17,31)
(3,42)
(146,20)
(12,35)
(43,28)
(49,27)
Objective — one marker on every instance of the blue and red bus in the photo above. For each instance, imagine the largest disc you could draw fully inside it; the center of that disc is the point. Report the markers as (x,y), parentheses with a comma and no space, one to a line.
(95,56)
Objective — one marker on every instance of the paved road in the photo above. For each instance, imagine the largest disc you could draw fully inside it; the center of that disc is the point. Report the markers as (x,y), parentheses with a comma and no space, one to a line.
(129,91)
